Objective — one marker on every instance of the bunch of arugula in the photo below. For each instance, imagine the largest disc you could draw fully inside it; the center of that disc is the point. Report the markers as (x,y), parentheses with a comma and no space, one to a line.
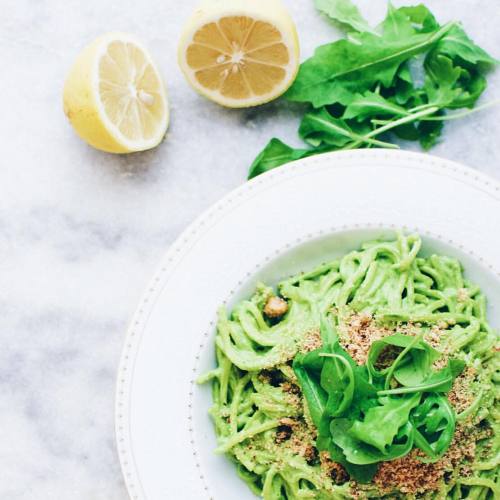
(399,78)
(364,414)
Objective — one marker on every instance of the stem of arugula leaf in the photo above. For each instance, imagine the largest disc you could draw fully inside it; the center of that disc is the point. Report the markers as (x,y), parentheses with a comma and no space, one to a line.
(375,142)
(461,114)
(452,116)
(417,388)
(401,355)
(422,107)
(393,124)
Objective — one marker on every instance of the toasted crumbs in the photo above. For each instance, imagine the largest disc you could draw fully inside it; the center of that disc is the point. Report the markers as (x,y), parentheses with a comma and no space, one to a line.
(294,400)
(434,335)
(286,352)
(285,429)
(311,341)
(272,377)
(462,294)
(332,469)
(359,330)
(300,440)
(311,454)
(409,475)
(357,333)
(461,395)
(283,432)
(290,387)
(291,422)
(293,394)
(463,446)
(275,307)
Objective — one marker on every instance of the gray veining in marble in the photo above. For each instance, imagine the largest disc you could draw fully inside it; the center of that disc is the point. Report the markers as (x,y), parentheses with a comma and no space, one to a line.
(81,231)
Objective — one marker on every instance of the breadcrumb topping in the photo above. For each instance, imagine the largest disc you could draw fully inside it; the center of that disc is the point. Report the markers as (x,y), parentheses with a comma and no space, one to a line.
(461,395)
(411,476)
(359,330)
(332,469)
(357,333)
(311,341)
(462,294)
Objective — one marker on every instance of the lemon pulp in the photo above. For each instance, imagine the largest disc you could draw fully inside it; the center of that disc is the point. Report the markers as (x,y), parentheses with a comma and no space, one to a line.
(240,60)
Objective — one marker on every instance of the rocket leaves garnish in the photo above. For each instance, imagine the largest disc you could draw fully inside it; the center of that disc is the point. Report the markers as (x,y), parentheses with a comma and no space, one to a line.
(381,410)
(398,78)
(339,70)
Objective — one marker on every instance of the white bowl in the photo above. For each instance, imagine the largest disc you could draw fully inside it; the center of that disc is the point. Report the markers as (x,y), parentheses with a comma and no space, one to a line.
(282,222)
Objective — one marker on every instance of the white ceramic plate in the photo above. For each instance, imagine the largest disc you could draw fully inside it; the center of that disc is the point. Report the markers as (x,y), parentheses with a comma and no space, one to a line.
(279,223)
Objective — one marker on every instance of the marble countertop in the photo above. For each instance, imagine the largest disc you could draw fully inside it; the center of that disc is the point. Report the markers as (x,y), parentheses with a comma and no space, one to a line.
(81,231)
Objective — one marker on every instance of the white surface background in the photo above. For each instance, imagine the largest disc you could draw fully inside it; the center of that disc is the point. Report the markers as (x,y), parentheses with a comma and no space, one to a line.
(81,231)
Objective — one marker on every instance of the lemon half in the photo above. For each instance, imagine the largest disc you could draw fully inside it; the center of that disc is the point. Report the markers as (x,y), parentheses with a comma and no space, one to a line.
(114,96)
(240,53)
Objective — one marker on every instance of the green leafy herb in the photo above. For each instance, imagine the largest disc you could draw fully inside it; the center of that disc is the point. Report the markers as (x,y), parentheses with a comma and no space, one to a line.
(370,104)
(434,423)
(277,153)
(440,381)
(412,364)
(314,394)
(345,13)
(421,16)
(382,423)
(360,88)
(360,417)
(339,70)
(320,128)
(458,45)
(357,452)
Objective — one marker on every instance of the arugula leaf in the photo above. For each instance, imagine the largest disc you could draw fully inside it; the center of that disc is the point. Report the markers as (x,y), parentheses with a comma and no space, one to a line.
(439,381)
(408,132)
(452,86)
(473,84)
(360,473)
(345,13)
(343,68)
(456,44)
(325,380)
(319,127)
(359,425)
(276,153)
(434,421)
(337,378)
(410,367)
(441,79)
(371,104)
(429,133)
(420,16)
(313,361)
(358,452)
(315,396)
(403,89)
(397,24)
(370,84)
(382,423)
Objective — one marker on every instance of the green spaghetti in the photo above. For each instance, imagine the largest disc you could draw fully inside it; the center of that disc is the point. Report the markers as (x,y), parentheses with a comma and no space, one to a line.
(372,376)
